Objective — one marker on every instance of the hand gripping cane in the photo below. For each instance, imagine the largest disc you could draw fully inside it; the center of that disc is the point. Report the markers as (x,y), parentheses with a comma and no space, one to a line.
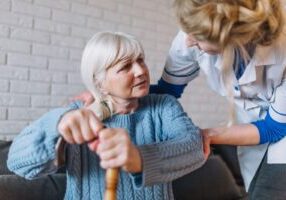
(112,174)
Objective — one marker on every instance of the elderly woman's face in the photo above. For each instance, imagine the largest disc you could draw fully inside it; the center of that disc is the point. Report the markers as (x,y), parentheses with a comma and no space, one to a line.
(127,80)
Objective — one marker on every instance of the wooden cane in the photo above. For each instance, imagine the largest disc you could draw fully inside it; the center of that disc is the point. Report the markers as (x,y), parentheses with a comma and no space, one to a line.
(112,174)
(111,181)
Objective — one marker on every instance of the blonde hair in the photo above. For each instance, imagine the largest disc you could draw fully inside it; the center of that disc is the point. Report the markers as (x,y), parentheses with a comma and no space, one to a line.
(104,50)
(231,24)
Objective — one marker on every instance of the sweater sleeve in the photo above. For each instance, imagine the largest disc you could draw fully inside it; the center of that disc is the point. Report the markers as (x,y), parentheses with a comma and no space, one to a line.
(32,152)
(180,153)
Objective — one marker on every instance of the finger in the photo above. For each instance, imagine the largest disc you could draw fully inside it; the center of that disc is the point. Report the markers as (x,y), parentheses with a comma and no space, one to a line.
(108,140)
(95,124)
(69,138)
(109,154)
(112,163)
(93,145)
(66,134)
(105,145)
(107,134)
(86,130)
(206,146)
(76,133)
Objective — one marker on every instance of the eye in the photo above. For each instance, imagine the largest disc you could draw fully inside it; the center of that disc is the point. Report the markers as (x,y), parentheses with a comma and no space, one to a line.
(140,60)
(125,67)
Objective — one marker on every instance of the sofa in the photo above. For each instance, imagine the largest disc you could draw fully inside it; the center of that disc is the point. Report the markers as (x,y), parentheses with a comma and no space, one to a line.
(214,181)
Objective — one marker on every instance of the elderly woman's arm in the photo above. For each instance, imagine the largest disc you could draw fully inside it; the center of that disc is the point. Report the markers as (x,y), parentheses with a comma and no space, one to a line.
(180,153)
(32,152)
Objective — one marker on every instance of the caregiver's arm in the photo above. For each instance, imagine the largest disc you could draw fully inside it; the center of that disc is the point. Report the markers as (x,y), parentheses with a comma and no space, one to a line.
(245,134)
(180,68)
(270,129)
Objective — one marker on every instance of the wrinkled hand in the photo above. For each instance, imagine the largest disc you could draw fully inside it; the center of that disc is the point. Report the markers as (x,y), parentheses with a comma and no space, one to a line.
(85,96)
(116,150)
(80,126)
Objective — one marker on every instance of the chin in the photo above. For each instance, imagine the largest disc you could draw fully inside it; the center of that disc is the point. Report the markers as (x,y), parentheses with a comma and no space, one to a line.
(143,93)
(212,52)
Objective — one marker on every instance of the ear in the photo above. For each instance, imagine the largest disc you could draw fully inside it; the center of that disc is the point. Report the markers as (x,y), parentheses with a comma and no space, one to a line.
(101,85)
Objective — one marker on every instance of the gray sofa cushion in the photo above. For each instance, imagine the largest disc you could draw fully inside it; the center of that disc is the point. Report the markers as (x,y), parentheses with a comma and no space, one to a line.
(13,187)
(213,181)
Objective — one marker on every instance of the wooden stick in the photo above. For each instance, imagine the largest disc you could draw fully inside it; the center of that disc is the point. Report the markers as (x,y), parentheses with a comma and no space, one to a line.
(111,180)
(111,176)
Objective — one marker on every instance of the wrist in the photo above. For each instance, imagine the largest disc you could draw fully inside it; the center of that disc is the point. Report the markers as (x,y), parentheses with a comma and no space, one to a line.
(138,162)
(134,165)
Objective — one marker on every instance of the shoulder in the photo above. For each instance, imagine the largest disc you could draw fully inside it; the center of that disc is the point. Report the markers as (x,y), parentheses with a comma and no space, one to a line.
(181,50)
(76,104)
(278,48)
(273,58)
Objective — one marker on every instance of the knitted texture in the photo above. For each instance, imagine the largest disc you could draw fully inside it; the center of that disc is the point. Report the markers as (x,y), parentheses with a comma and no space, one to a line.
(169,143)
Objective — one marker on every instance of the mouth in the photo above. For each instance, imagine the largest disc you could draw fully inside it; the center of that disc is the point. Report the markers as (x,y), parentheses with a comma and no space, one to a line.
(212,52)
(140,83)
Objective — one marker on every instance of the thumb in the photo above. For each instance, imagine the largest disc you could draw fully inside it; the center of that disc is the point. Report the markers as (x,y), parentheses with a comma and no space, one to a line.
(206,145)
(93,145)
(95,124)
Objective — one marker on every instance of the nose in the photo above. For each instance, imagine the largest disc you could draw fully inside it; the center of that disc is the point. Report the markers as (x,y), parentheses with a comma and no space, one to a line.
(190,41)
(138,69)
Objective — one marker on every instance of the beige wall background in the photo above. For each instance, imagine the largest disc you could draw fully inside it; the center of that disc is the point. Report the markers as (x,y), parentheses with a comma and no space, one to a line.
(40,49)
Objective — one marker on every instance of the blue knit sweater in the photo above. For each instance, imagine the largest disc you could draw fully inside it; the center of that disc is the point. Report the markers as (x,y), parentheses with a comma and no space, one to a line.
(169,143)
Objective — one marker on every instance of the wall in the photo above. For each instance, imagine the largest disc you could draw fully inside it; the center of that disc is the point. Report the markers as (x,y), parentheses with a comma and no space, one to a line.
(40,48)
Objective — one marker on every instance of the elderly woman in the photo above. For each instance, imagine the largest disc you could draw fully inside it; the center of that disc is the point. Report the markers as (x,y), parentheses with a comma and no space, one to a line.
(149,137)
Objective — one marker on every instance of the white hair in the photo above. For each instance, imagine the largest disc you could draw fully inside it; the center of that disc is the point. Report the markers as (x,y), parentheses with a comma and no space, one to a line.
(104,50)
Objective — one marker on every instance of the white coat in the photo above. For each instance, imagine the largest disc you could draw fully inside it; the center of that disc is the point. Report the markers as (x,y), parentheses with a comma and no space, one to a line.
(262,87)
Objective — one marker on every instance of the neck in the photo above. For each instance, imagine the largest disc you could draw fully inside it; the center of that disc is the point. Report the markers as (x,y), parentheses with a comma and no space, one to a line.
(123,106)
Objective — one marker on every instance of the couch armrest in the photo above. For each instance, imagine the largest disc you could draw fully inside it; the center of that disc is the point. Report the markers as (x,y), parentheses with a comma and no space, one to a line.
(13,187)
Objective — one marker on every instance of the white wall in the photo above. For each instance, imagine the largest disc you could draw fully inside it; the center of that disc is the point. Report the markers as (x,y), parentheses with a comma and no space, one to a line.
(40,48)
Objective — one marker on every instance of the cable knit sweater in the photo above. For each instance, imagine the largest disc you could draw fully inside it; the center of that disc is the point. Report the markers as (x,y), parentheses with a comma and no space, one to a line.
(169,143)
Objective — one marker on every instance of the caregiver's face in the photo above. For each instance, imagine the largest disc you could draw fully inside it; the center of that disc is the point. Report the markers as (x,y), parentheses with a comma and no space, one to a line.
(127,79)
(205,46)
